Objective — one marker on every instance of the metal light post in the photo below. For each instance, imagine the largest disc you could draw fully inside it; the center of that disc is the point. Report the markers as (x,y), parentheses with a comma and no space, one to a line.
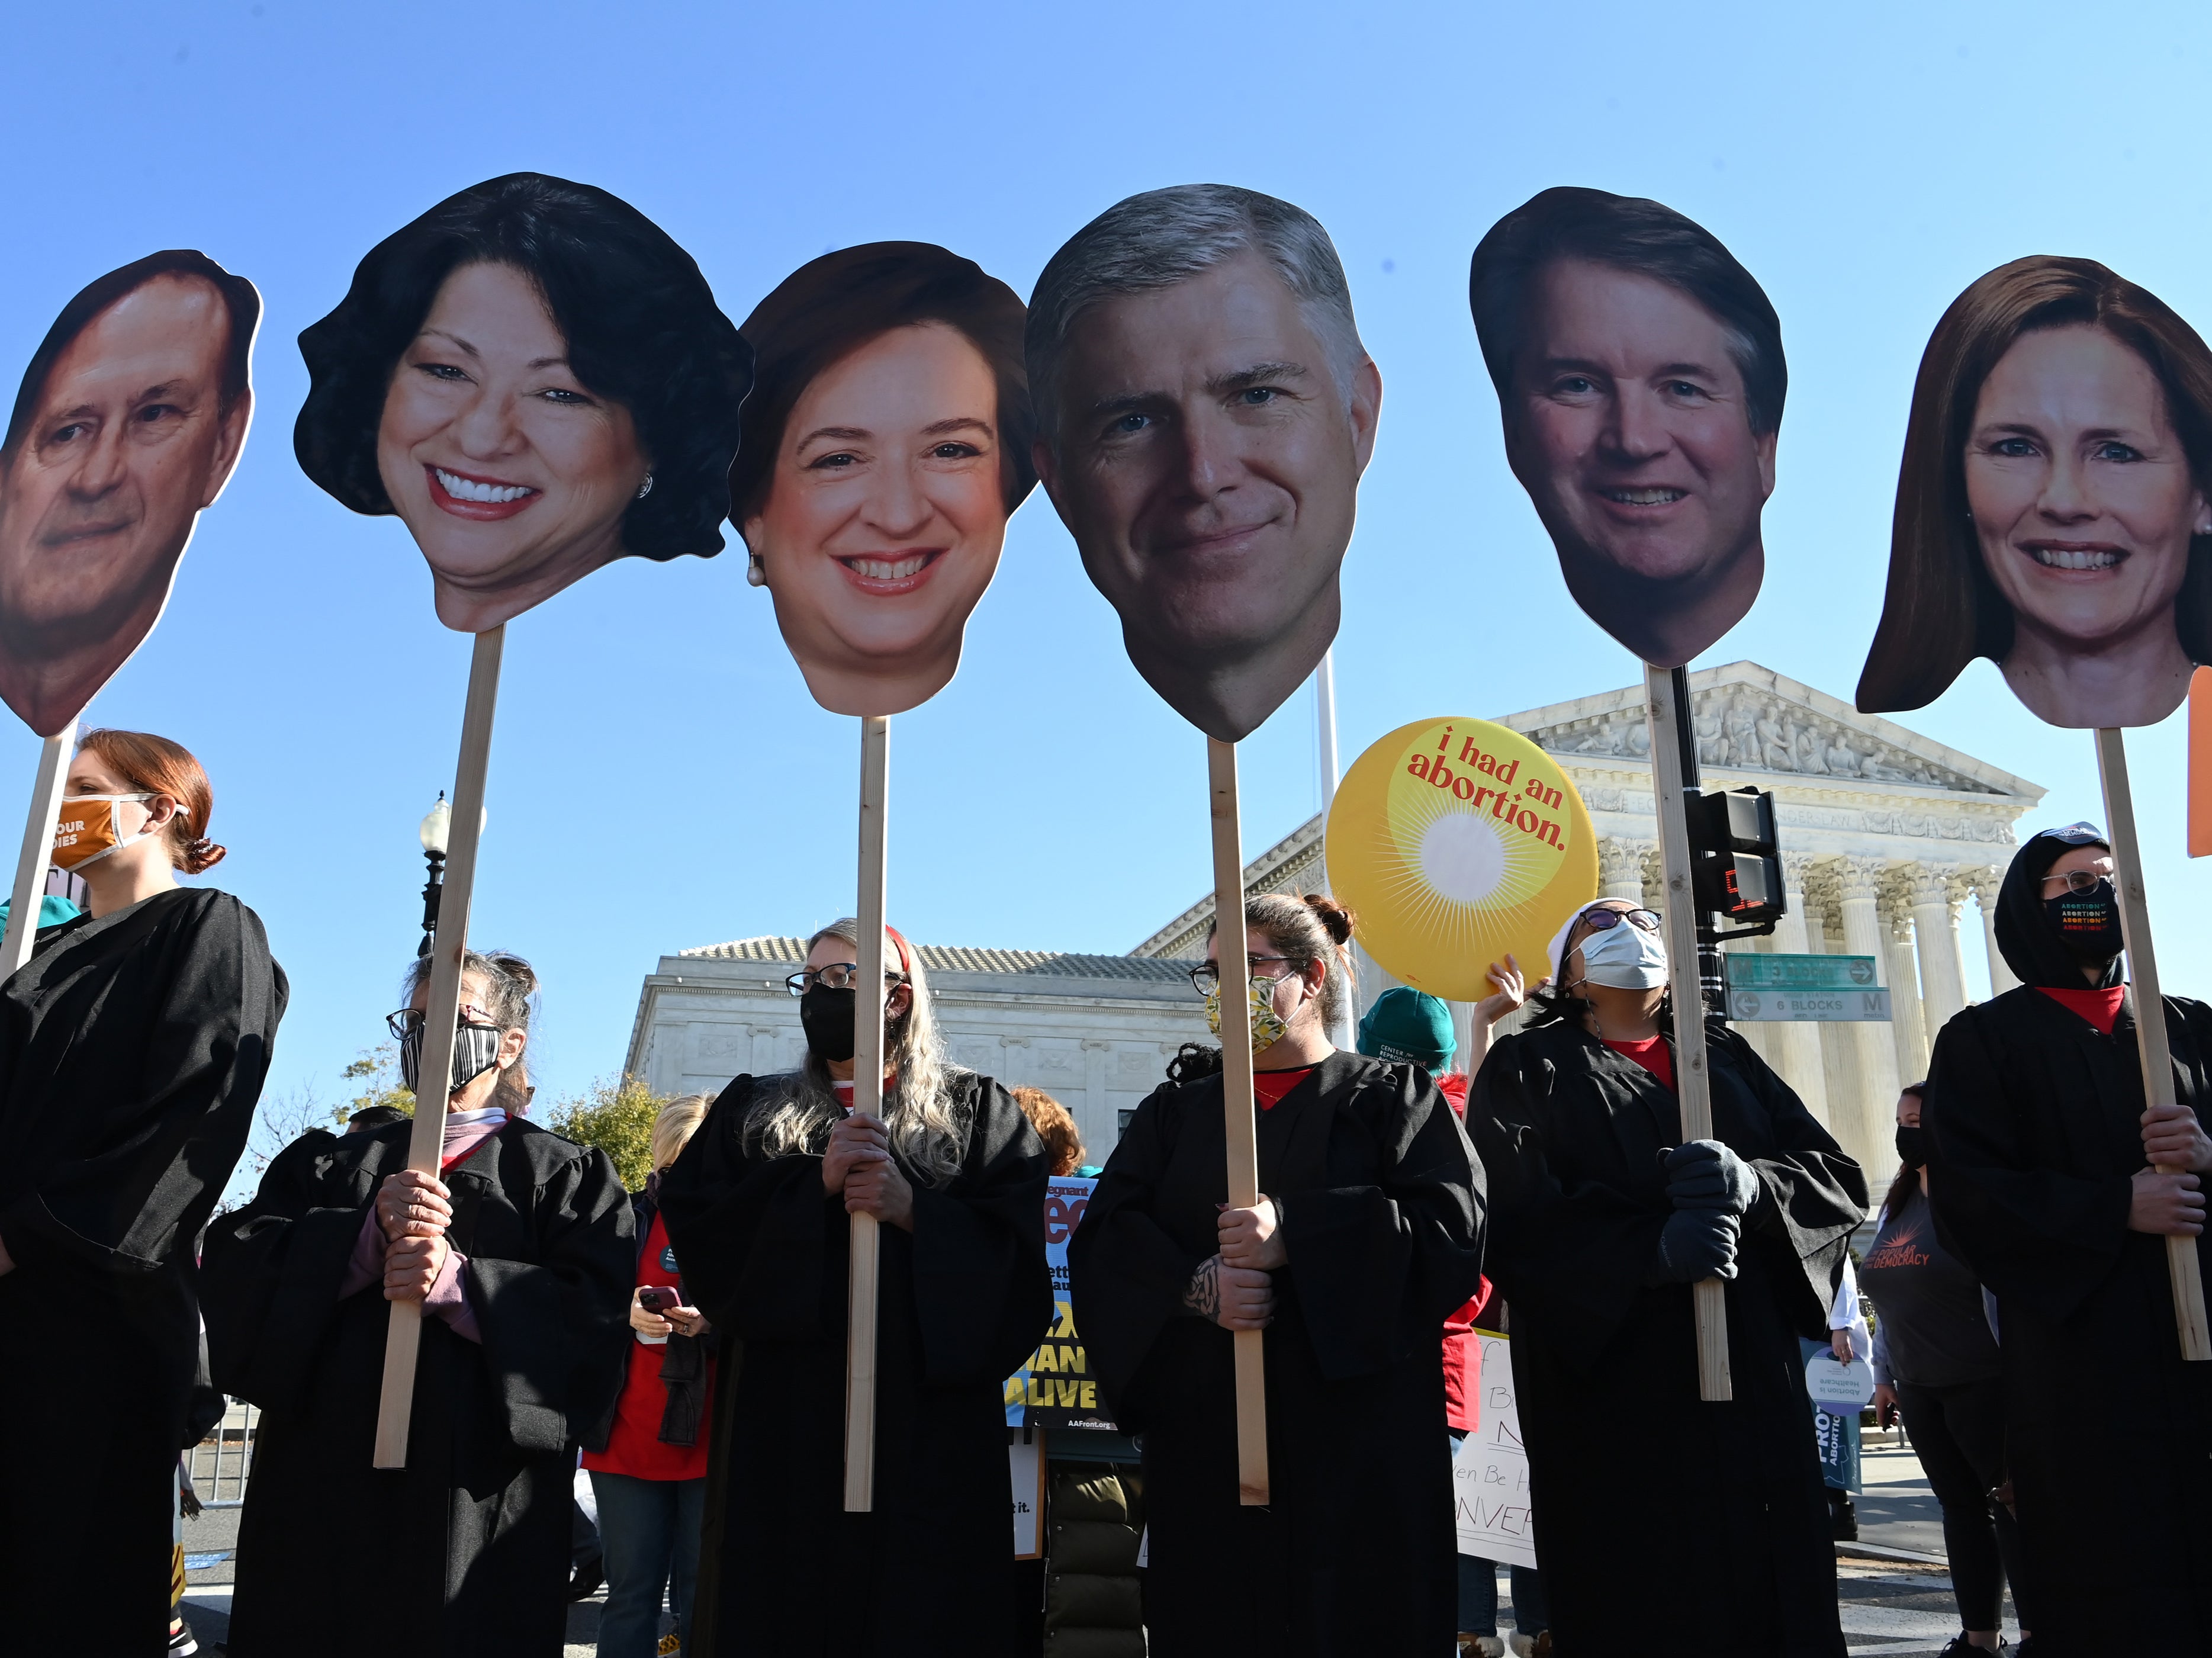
(437,824)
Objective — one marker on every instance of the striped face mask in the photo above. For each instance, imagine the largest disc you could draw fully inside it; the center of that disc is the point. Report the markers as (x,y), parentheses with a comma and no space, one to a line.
(476,1050)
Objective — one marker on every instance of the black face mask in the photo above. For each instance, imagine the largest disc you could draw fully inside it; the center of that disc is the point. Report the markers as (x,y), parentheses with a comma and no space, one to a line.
(2087,923)
(827,1016)
(1912,1145)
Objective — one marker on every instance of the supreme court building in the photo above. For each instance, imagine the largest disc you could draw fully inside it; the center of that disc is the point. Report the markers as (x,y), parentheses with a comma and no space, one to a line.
(1893,847)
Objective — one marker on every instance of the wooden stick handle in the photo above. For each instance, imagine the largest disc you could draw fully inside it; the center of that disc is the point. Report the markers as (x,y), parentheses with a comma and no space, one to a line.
(866,1239)
(442,1012)
(1239,1120)
(38,854)
(1693,1080)
(2182,1264)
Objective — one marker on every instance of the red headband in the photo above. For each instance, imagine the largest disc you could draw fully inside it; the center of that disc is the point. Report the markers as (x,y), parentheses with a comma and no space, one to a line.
(905,955)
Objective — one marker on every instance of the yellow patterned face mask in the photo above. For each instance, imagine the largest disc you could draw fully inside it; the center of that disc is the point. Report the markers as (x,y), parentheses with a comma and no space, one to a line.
(1268,1026)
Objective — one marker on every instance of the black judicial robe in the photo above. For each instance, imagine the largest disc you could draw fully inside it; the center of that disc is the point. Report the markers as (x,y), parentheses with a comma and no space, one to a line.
(1382,1220)
(1664,1525)
(964,1298)
(2034,1123)
(132,1051)
(465,1551)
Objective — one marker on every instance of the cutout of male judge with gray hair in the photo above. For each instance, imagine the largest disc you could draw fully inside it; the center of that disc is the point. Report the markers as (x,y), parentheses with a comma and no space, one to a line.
(1205,410)
(131,417)
(1640,369)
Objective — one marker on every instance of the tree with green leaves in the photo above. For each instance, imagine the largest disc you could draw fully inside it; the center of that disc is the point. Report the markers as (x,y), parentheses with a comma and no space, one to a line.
(617,1118)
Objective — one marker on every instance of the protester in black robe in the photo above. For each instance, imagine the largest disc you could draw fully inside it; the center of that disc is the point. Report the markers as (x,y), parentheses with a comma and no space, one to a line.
(1370,1235)
(132,1050)
(522,1251)
(2039,1148)
(1664,1525)
(758,1209)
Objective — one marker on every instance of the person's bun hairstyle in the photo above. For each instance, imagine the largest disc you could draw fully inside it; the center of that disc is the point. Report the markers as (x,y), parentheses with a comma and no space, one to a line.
(1336,919)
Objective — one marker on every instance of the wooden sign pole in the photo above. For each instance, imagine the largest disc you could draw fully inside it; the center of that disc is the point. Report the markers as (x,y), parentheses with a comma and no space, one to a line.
(38,854)
(1237,1101)
(1693,1080)
(434,1082)
(866,1238)
(2181,1261)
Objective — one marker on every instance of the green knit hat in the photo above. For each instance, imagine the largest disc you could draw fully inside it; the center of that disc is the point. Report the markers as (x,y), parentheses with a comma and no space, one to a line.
(1409,1027)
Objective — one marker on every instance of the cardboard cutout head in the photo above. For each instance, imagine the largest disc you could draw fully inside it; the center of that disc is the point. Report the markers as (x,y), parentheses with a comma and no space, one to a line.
(1205,410)
(534,378)
(130,420)
(1640,373)
(2052,506)
(886,443)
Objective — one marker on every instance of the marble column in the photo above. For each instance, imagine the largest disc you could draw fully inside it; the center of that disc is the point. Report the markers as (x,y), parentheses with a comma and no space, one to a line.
(1794,1050)
(1908,1030)
(1620,869)
(1943,988)
(1985,882)
(1866,1123)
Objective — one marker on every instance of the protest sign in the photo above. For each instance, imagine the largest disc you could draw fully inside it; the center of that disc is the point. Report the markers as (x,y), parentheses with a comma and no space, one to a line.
(1458,842)
(1057,1388)
(129,419)
(885,441)
(1025,1467)
(1490,1476)
(1204,412)
(534,378)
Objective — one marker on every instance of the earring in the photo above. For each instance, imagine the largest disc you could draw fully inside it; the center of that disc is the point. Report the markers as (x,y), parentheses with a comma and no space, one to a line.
(756,571)
(644,489)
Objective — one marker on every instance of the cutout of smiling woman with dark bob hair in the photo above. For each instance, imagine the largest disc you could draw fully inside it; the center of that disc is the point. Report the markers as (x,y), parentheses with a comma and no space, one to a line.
(537,379)
(2052,506)
(886,444)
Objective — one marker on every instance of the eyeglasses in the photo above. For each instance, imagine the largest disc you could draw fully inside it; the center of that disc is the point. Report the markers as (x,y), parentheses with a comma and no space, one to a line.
(2083,881)
(1600,920)
(409,1020)
(1206,975)
(837,975)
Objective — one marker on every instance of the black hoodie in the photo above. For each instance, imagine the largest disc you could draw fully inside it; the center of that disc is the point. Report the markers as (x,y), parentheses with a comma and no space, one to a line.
(2025,938)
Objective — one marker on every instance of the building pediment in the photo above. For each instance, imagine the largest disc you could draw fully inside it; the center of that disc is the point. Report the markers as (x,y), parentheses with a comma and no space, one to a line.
(1750,719)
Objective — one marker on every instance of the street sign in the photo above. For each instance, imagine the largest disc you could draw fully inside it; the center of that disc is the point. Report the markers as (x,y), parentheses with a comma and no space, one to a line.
(1746,1007)
(1746,971)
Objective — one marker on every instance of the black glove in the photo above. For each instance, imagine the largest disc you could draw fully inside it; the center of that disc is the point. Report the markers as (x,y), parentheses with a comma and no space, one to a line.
(1696,1244)
(1705,1175)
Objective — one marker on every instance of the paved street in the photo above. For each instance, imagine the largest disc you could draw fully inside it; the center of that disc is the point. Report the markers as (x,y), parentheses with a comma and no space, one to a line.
(1895,1596)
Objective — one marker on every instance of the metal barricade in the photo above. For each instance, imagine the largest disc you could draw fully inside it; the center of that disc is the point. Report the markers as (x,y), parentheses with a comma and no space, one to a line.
(221,1463)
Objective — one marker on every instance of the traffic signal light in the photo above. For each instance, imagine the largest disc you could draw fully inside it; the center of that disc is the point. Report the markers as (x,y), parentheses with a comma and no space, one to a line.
(1735,863)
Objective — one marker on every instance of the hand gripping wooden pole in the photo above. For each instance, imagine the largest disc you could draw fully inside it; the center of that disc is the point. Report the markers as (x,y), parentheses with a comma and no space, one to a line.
(38,854)
(441,1010)
(2181,1261)
(1693,1080)
(1236,1101)
(866,1237)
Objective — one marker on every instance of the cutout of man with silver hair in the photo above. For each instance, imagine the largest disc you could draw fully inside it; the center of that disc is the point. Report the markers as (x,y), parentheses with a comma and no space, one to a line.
(1205,410)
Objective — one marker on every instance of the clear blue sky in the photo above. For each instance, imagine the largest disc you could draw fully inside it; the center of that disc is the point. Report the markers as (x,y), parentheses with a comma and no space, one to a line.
(660,777)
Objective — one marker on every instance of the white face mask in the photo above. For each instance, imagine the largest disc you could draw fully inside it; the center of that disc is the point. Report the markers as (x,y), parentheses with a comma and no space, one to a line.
(1625,956)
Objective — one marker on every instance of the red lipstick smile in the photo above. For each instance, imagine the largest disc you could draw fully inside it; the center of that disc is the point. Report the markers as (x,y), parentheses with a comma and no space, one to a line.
(482,498)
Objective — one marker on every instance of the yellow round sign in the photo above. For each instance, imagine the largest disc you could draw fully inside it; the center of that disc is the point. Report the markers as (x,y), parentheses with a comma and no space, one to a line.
(1456,840)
